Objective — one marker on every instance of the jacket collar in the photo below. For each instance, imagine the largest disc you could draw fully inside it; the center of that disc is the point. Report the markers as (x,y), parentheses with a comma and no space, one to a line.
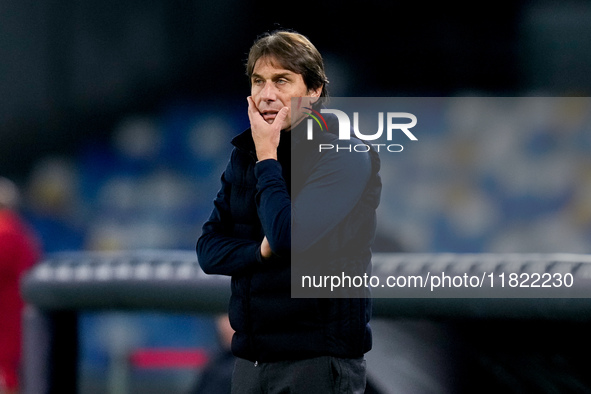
(244,141)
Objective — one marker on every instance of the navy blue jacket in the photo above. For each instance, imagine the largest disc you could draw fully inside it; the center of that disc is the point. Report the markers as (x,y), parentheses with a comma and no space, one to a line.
(324,208)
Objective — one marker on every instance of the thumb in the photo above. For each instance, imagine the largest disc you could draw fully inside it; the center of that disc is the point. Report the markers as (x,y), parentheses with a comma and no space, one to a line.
(281,116)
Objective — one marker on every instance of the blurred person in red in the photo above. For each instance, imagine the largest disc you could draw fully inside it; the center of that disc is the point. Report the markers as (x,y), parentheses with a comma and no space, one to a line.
(216,377)
(19,250)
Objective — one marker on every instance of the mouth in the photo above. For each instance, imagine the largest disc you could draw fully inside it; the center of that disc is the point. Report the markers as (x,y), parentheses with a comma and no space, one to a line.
(269,115)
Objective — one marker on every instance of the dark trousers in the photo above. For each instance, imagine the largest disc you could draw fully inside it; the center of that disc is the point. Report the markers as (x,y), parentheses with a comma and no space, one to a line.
(322,375)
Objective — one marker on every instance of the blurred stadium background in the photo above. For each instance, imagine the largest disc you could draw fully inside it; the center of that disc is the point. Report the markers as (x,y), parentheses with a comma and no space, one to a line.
(115,121)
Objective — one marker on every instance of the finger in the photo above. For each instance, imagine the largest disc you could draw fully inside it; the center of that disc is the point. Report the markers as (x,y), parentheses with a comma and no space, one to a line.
(250,102)
(253,114)
(251,108)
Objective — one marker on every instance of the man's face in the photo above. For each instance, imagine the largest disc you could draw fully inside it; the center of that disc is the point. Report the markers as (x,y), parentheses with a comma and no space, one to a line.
(272,88)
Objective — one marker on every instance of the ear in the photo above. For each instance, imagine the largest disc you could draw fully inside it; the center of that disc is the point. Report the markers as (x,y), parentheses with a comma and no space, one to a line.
(315,93)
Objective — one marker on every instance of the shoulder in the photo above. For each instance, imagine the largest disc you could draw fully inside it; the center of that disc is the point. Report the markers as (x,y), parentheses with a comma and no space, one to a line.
(339,160)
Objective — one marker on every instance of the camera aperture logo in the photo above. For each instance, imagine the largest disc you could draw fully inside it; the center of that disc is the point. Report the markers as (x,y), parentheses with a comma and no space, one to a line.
(316,119)
(344,132)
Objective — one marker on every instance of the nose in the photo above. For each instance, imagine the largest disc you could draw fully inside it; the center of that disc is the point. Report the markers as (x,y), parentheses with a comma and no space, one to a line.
(269,92)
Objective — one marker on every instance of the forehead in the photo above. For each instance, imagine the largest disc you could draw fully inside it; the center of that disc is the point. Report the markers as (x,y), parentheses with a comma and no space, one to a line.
(270,65)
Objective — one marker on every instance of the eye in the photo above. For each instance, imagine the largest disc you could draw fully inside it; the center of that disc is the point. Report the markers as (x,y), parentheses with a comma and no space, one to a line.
(281,81)
(257,81)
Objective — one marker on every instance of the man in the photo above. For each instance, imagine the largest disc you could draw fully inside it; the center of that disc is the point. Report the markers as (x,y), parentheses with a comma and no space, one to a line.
(267,212)
(19,250)
(216,377)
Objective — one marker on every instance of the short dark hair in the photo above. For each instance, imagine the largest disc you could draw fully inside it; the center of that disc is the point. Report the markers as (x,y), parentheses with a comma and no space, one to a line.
(293,52)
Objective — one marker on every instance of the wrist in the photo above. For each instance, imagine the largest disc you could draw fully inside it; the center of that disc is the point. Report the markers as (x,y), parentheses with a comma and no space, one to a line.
(268,158)
(266,155)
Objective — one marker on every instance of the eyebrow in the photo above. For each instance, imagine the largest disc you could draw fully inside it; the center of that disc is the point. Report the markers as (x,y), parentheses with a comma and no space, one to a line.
(286,74)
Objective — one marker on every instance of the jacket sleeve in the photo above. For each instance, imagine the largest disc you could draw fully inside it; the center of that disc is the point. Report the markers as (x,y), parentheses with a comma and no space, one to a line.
(330,193)
(218,251)
(274,205)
